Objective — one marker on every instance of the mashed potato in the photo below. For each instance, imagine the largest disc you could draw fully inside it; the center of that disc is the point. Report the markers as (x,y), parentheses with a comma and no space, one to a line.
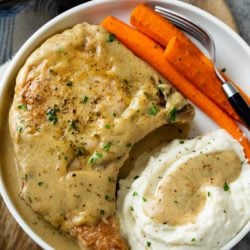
(194,194)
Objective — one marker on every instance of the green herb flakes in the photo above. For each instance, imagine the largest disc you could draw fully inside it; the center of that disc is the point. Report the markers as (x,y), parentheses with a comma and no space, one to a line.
(106,146)
(128,145)
(40,183)
(95,157)
(108,198)
(102,211)
(226,187)
(19,129)
(74,124)
(172,115)
(79,151)
(144,199)
(107,126)
(69,83)
(135,194)
(131,209)
(22,107)
(52,115)
(148,243)
(60,50)
(223,70)
(85,99)
(181,142)
(111,38)
(208,194)
(193,240)
(153,110)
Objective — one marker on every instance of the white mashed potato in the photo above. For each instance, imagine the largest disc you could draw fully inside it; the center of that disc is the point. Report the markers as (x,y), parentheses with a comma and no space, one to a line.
(226,208)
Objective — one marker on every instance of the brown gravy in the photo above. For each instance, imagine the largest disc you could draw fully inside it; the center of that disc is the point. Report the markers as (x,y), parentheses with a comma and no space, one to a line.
(180,198)
(49,234)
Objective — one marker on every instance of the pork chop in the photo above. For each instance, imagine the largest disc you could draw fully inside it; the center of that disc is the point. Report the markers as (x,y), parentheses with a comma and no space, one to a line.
(82,100)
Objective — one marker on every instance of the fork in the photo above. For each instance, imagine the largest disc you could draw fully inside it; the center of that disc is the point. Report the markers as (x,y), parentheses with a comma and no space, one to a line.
(203,36)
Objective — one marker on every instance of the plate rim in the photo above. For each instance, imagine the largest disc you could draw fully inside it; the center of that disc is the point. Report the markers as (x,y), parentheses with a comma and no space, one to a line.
(18,60)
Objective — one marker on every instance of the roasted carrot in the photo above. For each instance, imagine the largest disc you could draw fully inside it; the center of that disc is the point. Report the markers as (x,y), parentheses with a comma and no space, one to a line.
(152,53)
(162,31)
(187,62)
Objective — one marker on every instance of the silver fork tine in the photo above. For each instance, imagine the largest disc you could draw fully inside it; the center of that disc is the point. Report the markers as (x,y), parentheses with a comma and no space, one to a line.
(236,100)
(178,19)
(184,24)
(186,27)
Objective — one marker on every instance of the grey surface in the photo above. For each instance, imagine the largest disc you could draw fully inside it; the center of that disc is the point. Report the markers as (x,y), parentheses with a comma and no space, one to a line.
(241,13)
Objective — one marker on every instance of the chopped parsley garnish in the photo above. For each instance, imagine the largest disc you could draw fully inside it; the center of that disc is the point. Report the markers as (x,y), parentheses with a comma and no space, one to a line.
(153,110)
(111,38)
(73,124)
(108,198)
(226,187)
(144,199)
(172,115)
(85,99)
(223,70)
(19,129)
(159,88)
(69,83)
(148,243)
(106,146)
(176,202)
(51,115)
(193,240)
(131,208)
(22,107)
(102,211)
(181,142)
(208,194)
(114,114)
(129,145)
(136,177)
(79,151)
(107,126)
(135,193)
(60,50)
(95,157)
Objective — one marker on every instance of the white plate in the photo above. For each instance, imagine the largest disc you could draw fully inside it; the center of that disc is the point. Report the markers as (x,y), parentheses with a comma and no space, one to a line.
(232,53)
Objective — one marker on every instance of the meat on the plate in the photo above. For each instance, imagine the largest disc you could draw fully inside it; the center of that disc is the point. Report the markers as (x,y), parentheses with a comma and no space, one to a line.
(82,100)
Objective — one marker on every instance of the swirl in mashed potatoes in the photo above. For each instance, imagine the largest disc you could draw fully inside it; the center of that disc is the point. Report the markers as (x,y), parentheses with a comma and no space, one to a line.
(194,194)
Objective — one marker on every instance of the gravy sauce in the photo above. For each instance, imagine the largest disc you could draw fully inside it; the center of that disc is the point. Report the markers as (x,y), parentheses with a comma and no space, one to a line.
(54,237)
(179,197)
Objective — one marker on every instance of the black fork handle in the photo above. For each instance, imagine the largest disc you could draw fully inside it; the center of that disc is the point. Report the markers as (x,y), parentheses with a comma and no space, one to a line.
(237,102)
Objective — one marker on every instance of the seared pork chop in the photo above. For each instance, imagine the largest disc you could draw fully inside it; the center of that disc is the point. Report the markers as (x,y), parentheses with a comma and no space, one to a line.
(81,101)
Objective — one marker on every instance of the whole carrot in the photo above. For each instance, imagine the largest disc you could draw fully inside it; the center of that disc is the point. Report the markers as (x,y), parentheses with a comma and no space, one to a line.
(162,31)
(151,52)
(187,62)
